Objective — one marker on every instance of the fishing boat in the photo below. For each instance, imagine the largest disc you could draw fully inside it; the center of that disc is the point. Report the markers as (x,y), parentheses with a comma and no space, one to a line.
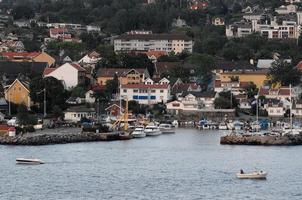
(166,128)
(152,130)
(252,175)
(29,161)
(139,132)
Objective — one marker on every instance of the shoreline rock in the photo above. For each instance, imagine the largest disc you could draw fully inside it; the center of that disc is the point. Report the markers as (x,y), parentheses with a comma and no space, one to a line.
(59,138)
(286,140)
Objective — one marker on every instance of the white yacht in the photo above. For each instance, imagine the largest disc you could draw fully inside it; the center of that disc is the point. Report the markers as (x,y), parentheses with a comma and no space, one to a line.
(152,130)
(29,161)
(166,128)
(139,132)
(222,126)
(253,175)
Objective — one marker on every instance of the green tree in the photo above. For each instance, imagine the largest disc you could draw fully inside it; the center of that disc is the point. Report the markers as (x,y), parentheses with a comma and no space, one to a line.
(55,92)
(23,11)
(223,101)
(78,91)
(204,66)
(112,86)
(282,72)
(251,90)
(24,117)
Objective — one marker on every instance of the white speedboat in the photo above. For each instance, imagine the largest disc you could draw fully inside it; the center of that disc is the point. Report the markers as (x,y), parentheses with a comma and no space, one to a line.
(166,128)
(253,175)
(222,126)
(29,161)
(152,130)
(139,132)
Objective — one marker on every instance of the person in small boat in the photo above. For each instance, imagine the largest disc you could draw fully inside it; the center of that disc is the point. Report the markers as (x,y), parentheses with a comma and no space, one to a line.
(241,171)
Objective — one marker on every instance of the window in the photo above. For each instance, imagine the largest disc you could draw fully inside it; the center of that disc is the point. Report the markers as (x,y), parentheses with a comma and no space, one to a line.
(161,91)
(79,115)
(19,88)
(124,90)
(135,91)
(75,115)
(152,91)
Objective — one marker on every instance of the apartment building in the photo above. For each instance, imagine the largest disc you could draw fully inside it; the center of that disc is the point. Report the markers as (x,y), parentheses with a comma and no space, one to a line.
(154,42)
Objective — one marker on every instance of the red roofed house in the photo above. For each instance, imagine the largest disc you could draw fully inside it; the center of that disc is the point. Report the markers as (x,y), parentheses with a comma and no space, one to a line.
(146,93)
(198,4)
(28,57)
(71,74)
(154,55)
(59,33)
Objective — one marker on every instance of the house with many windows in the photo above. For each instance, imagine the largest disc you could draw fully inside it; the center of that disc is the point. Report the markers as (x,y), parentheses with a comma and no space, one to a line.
(155,42)
(148,92)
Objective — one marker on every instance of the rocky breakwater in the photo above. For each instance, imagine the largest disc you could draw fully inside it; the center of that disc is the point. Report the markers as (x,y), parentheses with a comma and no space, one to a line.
(57,138)
(262,139)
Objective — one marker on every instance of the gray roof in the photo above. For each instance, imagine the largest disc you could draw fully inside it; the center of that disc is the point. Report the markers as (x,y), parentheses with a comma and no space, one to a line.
(80,109)
(267,63)
(154,37)
(8,67)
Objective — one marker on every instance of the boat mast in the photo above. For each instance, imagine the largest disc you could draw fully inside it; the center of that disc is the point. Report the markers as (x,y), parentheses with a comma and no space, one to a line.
(126,116)
(257,113)
(291,107)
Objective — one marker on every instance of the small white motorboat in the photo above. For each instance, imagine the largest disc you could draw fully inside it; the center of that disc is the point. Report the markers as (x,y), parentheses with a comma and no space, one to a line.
(166,128)
(253,175)
(139,132)
(29,161)
(222,126)
(152,130)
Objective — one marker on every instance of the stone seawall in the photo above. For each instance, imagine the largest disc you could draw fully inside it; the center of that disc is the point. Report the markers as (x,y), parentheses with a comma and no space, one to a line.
(262,140)
(58,138)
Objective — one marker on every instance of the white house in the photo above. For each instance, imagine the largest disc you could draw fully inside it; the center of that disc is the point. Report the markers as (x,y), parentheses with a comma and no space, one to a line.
(91,58)
(297,108)
(89,97)
(147,92)
(75,114)
(71,74)
(275,109)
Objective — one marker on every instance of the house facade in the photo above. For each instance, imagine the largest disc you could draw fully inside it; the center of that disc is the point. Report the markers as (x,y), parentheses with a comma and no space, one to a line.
(75,114)
(29,57)
(146,93)
(71,74)
(125,75)
(18,93)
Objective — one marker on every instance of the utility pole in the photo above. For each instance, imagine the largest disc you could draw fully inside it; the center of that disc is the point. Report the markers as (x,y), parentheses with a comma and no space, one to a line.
(45,102)
(9,106)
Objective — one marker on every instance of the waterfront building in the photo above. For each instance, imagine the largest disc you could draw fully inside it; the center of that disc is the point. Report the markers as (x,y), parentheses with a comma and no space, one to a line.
(146,93)
(76,113)
(176,43)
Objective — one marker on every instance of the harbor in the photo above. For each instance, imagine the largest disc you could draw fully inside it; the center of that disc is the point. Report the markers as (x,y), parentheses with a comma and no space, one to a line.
(189,164)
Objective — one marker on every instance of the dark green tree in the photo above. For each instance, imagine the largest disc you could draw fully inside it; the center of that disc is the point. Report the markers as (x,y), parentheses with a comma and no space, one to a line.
(284,73)
(224,101)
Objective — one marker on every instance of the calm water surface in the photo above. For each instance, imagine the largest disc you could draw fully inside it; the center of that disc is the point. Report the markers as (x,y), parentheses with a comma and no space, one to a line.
(187,165)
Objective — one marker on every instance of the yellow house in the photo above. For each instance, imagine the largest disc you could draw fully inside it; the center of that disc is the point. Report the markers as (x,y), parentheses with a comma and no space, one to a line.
(29,57)
(18,93)
(125,75)
(259,77)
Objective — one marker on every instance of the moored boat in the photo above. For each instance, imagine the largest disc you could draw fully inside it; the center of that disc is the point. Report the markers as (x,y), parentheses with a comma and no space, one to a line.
(139,132)
(166,128)
(29,161)
(252,175)
(222,126)
(152,130)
